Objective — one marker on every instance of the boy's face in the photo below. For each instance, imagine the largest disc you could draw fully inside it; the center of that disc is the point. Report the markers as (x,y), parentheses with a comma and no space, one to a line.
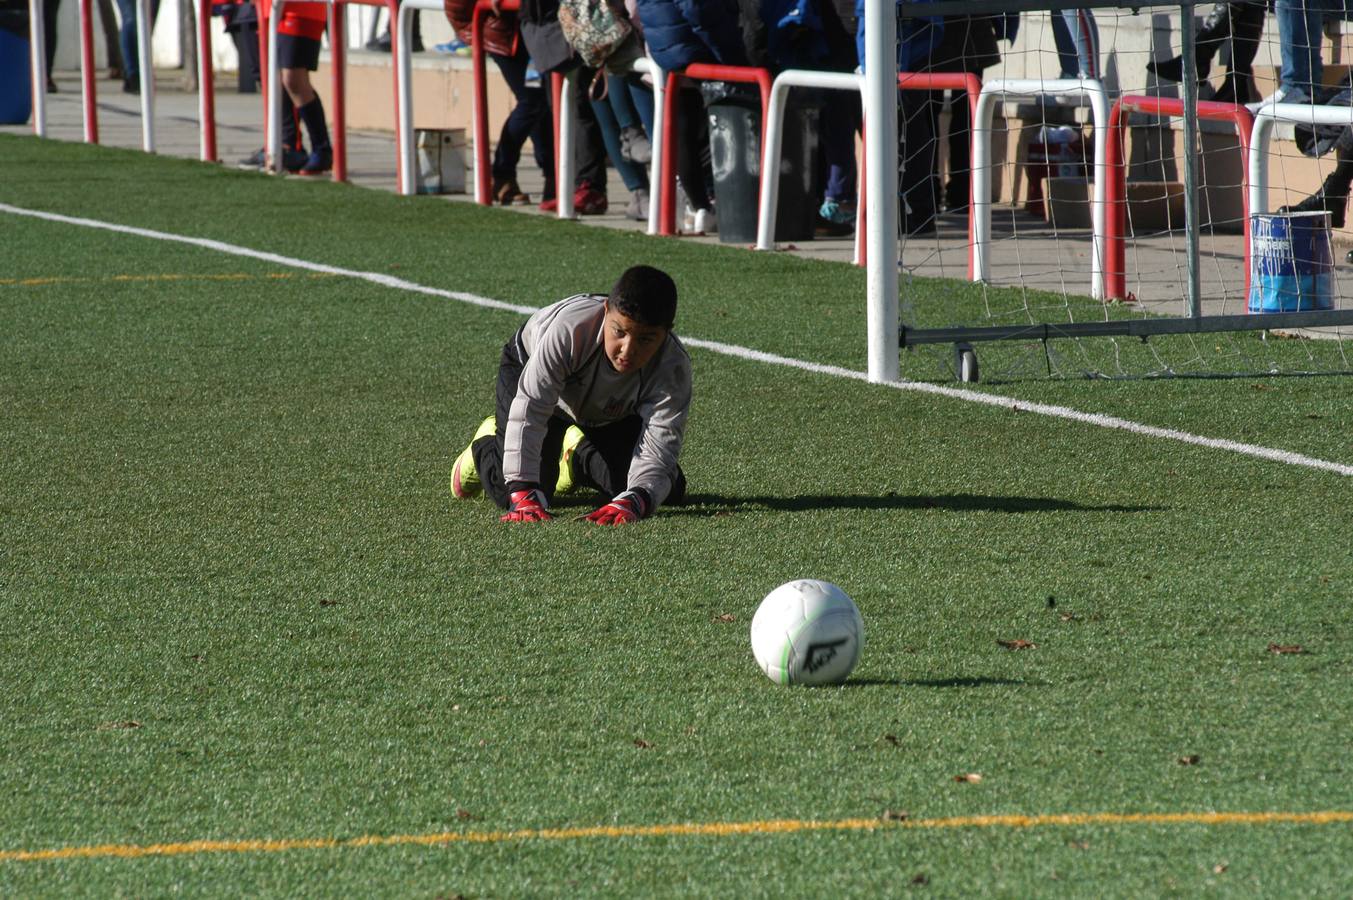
(630,344)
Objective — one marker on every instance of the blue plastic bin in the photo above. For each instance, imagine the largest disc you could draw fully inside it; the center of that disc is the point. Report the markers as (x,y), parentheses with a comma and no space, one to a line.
(1291,262)
(16,91)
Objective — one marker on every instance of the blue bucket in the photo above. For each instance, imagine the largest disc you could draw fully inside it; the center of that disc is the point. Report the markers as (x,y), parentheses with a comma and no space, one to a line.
(1291,262)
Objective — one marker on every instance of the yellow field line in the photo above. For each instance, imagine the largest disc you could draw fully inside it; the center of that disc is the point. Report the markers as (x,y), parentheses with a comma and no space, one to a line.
(103,279)
(689,829)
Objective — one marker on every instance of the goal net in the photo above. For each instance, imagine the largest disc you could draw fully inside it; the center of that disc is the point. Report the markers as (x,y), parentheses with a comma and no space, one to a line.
(1092,216)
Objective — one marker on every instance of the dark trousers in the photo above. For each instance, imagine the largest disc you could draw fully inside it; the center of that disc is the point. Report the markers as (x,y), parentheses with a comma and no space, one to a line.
(589,151)
(601,461)
(693,147)
(530,118)
(918,182)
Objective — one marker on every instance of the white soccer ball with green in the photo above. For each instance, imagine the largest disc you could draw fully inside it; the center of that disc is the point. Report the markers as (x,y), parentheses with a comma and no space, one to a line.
(807,632)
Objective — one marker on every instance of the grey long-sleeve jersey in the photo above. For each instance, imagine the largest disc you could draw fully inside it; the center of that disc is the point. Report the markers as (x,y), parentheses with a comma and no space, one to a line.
(567,371)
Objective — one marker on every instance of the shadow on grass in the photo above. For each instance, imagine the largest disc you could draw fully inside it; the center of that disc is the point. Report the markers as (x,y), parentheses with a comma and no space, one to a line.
(940,683)
(715,505)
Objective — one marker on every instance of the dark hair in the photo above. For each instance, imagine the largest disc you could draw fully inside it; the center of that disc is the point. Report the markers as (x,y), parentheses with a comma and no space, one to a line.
(646,295)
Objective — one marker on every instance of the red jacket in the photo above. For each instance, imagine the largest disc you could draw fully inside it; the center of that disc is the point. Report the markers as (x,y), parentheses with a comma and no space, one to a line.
(500,32)
(299,19)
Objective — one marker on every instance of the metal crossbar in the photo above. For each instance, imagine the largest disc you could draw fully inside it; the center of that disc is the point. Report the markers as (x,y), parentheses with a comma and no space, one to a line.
(981,164)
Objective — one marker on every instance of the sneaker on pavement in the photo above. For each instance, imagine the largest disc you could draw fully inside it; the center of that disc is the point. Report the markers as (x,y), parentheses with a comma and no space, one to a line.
(508,193)
(321,161)
(705,221)
(292,160)
(1283,94)
(465,481)
(638,206)
(835,219)
(572,438)
(588,201)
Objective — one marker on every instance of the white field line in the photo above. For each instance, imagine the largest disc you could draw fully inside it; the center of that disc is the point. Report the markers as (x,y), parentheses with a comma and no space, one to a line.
(1042,409)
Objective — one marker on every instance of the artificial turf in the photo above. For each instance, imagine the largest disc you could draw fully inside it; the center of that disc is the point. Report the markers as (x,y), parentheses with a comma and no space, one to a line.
(238,602)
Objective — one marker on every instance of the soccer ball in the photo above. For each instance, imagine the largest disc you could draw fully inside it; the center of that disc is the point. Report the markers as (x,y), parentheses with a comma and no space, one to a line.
(807,632)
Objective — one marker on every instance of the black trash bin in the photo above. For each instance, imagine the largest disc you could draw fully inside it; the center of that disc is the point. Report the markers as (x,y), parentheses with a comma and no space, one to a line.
(735,155)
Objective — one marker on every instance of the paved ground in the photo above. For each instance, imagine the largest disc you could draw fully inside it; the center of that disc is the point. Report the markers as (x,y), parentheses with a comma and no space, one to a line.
(1026,251)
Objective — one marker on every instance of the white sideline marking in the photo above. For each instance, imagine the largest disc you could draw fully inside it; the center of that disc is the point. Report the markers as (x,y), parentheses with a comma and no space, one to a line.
(1059,412)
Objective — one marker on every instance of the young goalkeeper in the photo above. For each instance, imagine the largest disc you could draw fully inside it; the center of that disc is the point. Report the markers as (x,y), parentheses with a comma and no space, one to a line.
(593,391)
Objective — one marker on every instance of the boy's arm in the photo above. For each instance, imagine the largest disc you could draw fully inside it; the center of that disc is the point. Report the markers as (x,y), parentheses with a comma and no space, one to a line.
(663,408)
(538,389)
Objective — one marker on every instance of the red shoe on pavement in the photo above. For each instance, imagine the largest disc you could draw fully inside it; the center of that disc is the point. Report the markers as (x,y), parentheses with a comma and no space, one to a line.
(588,201)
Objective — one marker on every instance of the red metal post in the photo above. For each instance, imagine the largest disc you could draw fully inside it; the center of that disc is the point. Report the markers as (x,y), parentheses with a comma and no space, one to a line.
(667,160)
(206,84)
(264,76)
(87,78)
(481,104)
(338,57)
(557,87)
(951,81)
(1115,192)
(481,97)
(667,157)
(393,8)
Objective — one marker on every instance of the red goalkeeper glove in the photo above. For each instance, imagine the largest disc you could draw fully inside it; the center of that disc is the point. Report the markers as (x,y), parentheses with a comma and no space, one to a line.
(527,506)
(624,509)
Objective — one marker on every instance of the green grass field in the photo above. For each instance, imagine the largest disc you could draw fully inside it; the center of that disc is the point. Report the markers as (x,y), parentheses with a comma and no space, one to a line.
(239,605)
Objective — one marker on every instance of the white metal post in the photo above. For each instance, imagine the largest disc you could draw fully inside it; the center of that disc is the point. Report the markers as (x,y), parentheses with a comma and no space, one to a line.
(981,165)
(647,65)
(563,182)
(775,116)
(880,128)
(408,183)
(37,66)
(145,53)
(272,142)
(1262,131)
(981,186)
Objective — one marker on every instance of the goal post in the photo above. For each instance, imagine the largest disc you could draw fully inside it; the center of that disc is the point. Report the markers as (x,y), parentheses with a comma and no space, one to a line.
(1054,277)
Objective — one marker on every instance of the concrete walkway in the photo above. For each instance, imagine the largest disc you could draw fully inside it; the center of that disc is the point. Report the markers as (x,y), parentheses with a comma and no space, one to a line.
(1026,251)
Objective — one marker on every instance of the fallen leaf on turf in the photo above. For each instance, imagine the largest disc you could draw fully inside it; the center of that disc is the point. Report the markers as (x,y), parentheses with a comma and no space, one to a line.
(328,603)
(970,778)
(1018,645)
(643,744)
(1191,760)
(895,815)
(1081,845)
(922,878)
(725,617)
(1068,617)
(1219,868)
(464,814)
(893,739)
(1286,648)
(110,726)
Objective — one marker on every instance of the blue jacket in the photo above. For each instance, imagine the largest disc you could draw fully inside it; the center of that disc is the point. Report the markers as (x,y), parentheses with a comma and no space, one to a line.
(917,38)
(681,32)
(794,33)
